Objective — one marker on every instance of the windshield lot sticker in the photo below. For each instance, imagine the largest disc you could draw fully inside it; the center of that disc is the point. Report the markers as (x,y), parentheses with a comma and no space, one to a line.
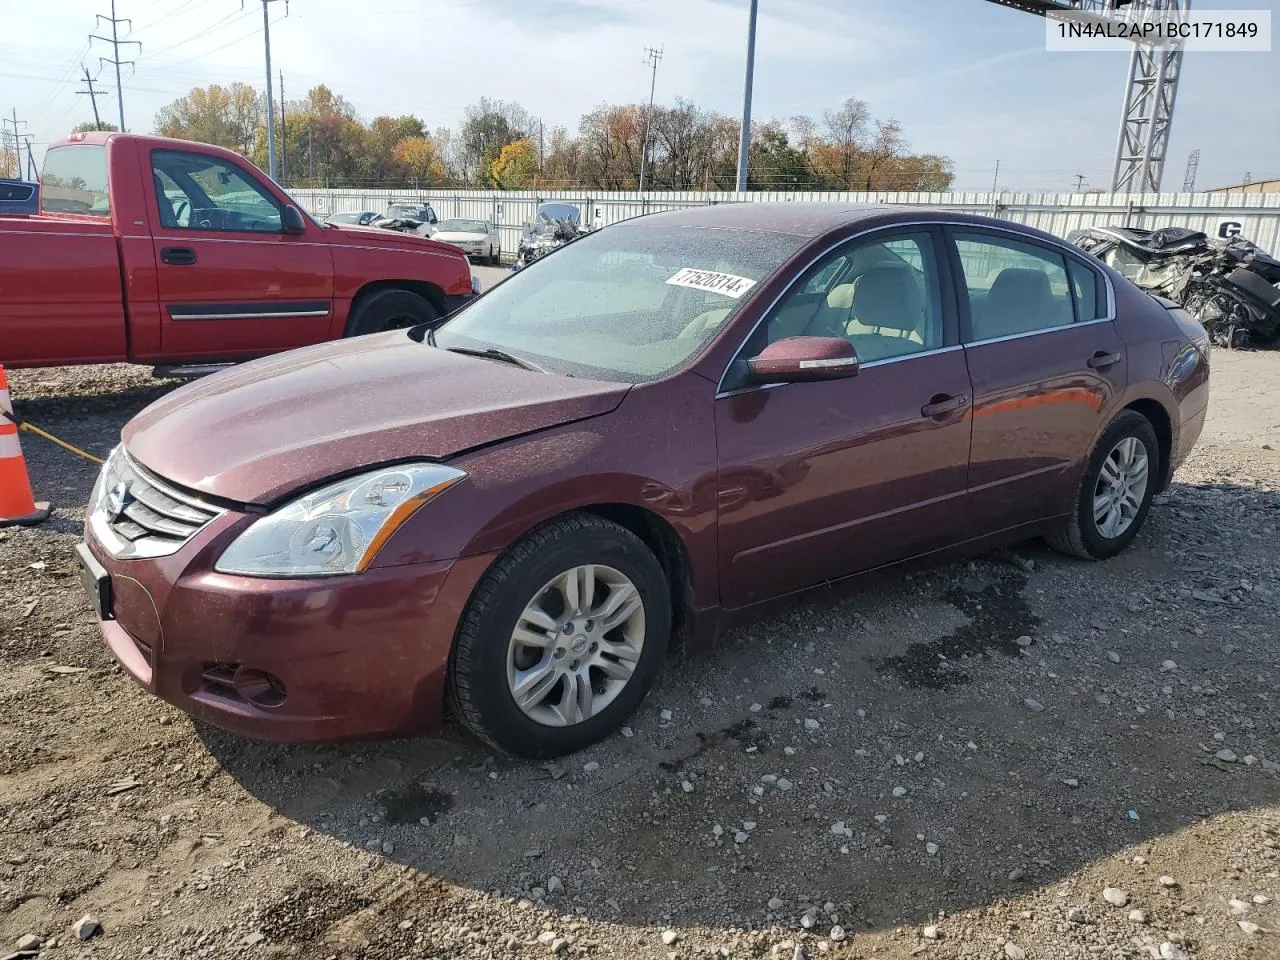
(725,283)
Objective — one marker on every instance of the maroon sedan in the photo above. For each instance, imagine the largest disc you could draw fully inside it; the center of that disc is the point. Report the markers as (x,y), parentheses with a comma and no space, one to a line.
(658,427)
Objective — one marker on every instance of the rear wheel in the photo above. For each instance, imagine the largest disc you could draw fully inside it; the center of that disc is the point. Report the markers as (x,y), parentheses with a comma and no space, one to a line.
(1115,492)
(562,639)
(389,310)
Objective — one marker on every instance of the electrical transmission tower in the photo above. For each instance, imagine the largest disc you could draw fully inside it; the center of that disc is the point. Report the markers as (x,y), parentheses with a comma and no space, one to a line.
(1193,167)
(12,139)
(93,96)
(114,59)
(1150,94)
(652,56)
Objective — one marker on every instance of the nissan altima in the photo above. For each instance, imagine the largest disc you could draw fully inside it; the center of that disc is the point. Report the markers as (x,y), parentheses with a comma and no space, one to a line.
(651,432)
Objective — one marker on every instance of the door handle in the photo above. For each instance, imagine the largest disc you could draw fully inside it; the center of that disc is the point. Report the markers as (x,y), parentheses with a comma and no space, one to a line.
(1101,360)
(178,256)
(942,404)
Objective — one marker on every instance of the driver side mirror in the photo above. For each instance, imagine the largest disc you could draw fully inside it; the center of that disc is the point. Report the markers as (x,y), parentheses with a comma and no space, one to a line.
(794,359)
(292,221)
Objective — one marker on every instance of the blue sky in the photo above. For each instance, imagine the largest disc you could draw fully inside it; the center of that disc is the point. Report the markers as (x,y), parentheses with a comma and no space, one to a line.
(966,78)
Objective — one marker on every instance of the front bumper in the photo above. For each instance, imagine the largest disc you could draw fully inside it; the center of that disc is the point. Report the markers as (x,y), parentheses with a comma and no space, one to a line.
(288,660)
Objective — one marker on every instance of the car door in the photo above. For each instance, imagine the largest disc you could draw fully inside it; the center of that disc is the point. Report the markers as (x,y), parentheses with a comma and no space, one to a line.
(231,281)
(1047,366)
(818,480)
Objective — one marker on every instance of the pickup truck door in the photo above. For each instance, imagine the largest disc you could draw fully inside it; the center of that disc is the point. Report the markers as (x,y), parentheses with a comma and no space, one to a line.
(231,282)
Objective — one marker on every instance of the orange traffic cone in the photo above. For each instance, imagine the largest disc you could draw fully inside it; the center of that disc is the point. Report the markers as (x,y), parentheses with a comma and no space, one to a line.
(17,506)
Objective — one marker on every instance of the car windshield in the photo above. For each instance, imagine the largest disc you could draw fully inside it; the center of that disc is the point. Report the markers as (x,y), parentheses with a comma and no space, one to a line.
(462,226)
(345,218)
(405,211)
(632,303)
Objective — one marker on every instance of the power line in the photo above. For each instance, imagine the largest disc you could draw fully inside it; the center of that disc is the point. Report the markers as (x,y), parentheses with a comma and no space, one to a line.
(114,59)
(652,57)
(93,97)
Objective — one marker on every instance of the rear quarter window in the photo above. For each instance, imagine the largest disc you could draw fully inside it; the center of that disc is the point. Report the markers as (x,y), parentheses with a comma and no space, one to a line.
(75,180)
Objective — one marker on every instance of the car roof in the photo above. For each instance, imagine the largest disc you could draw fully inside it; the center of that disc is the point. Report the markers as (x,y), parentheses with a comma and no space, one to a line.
(812,220)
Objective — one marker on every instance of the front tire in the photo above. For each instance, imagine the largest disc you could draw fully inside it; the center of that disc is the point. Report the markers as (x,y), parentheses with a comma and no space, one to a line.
(386,310)
(1115,492)
(562,639)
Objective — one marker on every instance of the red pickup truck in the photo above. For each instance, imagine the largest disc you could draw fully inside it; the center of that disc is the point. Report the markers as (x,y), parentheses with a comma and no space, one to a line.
(168,252)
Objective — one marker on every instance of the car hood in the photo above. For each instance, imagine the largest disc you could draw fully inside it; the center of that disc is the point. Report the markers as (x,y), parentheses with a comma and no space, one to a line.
(390,238)
(450,236)
(264,429)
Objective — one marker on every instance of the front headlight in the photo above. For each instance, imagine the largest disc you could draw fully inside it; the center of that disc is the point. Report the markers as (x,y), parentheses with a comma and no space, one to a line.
(339,528)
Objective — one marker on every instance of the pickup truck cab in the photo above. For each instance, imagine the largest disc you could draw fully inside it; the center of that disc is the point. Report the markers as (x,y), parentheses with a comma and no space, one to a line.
(151,250)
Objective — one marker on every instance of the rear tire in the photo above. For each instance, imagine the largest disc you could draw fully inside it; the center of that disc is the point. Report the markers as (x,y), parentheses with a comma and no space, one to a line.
(491,658)
(392,309)
(1115,491)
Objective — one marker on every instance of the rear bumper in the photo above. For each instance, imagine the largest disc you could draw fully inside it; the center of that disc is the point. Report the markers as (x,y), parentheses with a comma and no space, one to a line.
(292,661)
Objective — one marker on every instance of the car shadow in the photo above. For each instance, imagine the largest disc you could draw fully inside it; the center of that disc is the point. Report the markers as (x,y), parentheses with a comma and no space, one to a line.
(933,741)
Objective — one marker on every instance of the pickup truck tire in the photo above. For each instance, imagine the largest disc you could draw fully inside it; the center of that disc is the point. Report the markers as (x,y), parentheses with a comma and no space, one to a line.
(385,310)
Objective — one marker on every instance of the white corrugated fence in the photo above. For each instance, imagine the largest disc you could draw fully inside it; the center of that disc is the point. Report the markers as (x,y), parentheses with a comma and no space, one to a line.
(1258,215)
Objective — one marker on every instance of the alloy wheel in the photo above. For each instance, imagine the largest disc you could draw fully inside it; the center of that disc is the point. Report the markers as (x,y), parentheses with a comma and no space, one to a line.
(575,645)
(1121,487)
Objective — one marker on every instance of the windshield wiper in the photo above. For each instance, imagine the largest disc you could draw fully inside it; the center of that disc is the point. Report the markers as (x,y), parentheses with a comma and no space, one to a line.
(493,353)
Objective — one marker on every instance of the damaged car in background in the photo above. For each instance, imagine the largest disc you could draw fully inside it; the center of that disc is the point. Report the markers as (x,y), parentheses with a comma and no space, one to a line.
(552,226)
(1231,286)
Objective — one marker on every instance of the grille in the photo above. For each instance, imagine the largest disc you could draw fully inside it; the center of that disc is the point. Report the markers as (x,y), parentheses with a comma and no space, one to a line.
(139,515)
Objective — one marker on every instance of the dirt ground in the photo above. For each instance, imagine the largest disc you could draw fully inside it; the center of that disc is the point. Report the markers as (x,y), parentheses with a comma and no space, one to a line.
(955,763)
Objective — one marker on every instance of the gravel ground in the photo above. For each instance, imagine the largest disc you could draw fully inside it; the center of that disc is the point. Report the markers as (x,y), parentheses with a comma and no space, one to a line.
(1017,756)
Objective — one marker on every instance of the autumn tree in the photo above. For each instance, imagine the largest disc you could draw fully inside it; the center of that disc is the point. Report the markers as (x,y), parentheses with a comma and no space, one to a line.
(488,126)
(418,160)
(8,163)
(223,116)
(516,166)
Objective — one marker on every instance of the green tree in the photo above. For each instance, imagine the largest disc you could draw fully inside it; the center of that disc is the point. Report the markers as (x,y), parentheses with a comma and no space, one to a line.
(90,126)
(516,166)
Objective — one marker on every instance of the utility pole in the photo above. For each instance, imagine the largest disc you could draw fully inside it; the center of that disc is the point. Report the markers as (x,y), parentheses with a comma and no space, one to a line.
(1193,168)
(744,136)
(651,58)
(284,133)
(1080,178)
(93,97)
(114,59)
(271,104)
(15,138)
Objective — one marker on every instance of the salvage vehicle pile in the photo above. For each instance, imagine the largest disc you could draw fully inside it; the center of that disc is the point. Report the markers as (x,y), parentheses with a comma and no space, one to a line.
(1231,286)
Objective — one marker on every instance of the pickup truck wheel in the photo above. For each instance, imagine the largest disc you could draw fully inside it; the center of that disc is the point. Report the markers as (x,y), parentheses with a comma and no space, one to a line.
(389,310)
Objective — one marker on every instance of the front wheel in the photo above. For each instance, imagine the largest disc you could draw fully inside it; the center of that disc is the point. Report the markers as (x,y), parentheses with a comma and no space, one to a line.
(562,639)
(390,309)
(1115,492)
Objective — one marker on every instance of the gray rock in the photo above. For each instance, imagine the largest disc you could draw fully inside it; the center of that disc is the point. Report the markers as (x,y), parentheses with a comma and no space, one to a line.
(837,933)
(899,792)
(1035,706)
(1168,881)
(741,837)
(798,953)
(811,724)
(1171,951)
(253,939)
(1261,899)
(1022,642)
(546,937)
(591,766)
(559,945)
(784,784)
(670,937)
(1016,874)
(1138,916)
(808,921)
(1113,656)
(1076,915)
(1014,952)
(555,885)
(665,714)
(29,942)
(86,927)
(931,933)
(775,903)
(1168,666)
(1115,896)
(1248,926)
(1226,755)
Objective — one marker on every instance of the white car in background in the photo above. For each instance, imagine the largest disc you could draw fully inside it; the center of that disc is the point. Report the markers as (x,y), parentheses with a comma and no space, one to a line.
(476,238)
